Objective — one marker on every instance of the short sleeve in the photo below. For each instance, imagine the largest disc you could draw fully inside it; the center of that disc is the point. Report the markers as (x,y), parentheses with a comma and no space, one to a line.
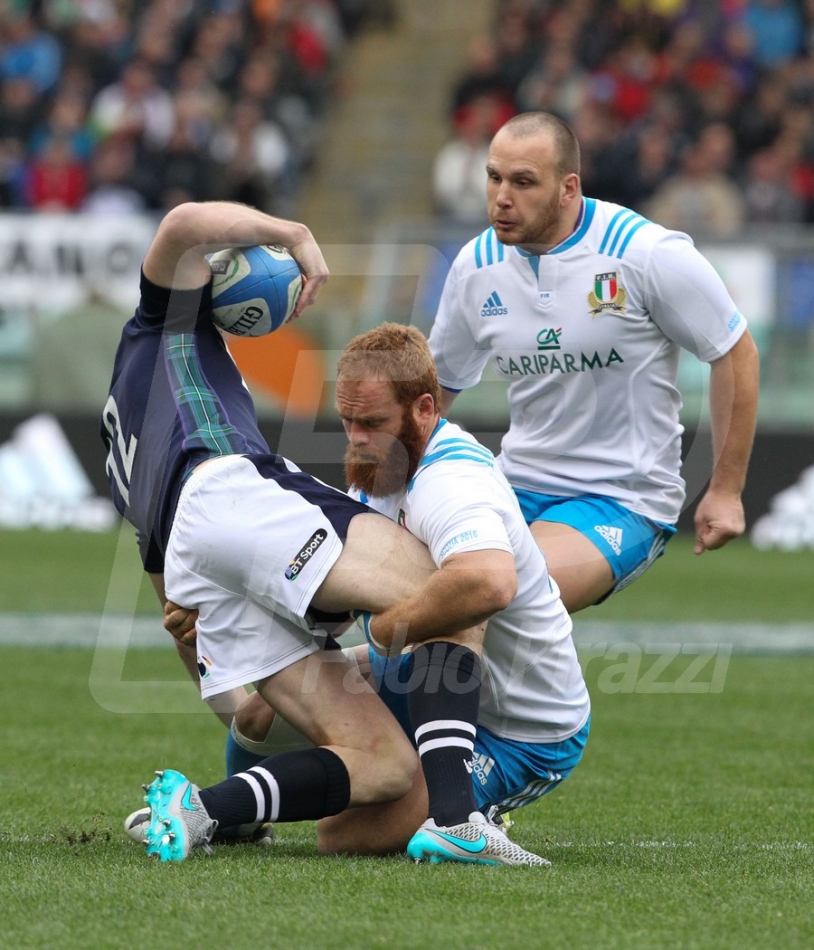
(689,301)
(453,511)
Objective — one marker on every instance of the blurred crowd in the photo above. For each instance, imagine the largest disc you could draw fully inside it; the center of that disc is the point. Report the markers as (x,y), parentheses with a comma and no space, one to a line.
(699,114)
(124,105)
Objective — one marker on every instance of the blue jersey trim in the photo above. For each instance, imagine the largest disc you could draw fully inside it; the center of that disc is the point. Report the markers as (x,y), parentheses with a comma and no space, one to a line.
(624,224)
(532,259)
(630,233)
(586,217)
(453,448)
(486,243)
(630,218)
(610,228)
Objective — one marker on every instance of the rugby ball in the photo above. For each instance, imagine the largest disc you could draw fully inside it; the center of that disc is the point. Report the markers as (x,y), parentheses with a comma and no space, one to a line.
(254,289)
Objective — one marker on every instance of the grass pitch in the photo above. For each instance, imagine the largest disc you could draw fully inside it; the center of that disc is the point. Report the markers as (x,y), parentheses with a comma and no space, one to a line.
(688,824)
(67,571)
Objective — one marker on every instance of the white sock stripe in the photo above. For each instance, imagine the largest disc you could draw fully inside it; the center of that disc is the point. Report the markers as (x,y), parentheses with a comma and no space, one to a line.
(438,724)
(274,792)
(450,742)
(254,785)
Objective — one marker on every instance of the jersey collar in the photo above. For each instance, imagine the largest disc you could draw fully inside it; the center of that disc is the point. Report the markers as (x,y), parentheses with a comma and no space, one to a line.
(586,216)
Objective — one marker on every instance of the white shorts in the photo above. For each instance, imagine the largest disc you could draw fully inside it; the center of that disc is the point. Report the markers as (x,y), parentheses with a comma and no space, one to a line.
(252,540)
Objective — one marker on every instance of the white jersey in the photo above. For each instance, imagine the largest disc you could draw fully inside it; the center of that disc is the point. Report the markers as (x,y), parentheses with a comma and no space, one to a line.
(458,500)
(589,337)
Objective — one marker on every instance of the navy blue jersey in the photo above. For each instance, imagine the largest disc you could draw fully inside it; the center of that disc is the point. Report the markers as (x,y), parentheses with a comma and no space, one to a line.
(176,399)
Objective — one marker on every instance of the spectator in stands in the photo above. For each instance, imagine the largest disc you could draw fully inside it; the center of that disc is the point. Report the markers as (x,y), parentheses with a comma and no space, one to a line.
(181,171)
(624,84)
(460,166)
(517,44)
(795,142)
(112,187)
(55,179)
(738,45)
(260,79)
(768,196)
(643,161)
(701,199)
(557,84)
(198,103)
(67,118)
(98,44)
(28,52)
(21,109)
(598,130)
(757,123)
(483,76)
(254,159)
(148,66)
(777,30)
(135,106)
(220,42)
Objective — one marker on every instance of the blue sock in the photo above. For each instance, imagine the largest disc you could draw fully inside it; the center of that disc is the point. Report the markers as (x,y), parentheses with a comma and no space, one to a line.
(239,759)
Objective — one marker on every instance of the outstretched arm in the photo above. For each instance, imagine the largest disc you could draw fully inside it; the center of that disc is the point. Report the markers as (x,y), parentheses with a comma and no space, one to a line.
(177,256)
(733,399)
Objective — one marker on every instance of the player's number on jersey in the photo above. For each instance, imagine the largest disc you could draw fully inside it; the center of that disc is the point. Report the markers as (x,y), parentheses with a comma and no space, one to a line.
(121,452)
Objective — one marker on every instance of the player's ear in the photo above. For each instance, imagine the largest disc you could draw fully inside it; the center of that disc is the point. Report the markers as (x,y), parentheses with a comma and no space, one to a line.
(569,188)
(425,406)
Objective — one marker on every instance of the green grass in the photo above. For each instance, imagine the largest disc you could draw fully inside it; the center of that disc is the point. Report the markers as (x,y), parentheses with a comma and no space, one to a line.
(688,825)
(735,583)
(68,571)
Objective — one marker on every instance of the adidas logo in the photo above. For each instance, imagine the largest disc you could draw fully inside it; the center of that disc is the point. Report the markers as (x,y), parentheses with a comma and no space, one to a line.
(493,306)
(612,535)
(481,765)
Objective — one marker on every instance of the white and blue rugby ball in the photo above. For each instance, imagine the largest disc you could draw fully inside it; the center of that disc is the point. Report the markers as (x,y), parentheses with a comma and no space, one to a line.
(254,289)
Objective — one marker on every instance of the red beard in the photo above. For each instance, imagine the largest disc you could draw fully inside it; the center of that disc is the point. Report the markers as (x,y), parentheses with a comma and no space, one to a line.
(379,477)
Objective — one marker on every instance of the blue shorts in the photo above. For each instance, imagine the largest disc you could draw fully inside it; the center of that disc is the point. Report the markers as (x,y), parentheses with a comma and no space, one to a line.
(505,773)
(629,542)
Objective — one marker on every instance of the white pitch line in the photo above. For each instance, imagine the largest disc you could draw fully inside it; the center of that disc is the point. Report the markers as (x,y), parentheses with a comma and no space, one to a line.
(82,630)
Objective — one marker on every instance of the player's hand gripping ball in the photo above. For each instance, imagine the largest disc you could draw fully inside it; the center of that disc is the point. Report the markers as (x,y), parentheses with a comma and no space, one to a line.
(254,289)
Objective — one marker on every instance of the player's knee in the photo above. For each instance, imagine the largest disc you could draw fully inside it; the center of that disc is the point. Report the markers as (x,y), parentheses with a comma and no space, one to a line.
(254,718)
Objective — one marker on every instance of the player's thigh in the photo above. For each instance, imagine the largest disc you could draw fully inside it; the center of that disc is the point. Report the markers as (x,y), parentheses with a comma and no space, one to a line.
(325,697)
(380,564)
(581,571)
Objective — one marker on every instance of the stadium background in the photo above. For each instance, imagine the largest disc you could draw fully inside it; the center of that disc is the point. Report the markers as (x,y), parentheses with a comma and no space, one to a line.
(689,824)
(364,118)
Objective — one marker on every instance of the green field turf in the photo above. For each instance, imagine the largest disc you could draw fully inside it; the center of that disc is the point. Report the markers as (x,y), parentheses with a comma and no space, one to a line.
(69,571)
(688,825)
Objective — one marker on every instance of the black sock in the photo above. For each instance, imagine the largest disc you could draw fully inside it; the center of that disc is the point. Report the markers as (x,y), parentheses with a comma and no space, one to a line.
(292,786)
(443,699)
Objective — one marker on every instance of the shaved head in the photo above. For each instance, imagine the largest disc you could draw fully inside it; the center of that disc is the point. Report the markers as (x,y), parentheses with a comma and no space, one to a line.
(532,124)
